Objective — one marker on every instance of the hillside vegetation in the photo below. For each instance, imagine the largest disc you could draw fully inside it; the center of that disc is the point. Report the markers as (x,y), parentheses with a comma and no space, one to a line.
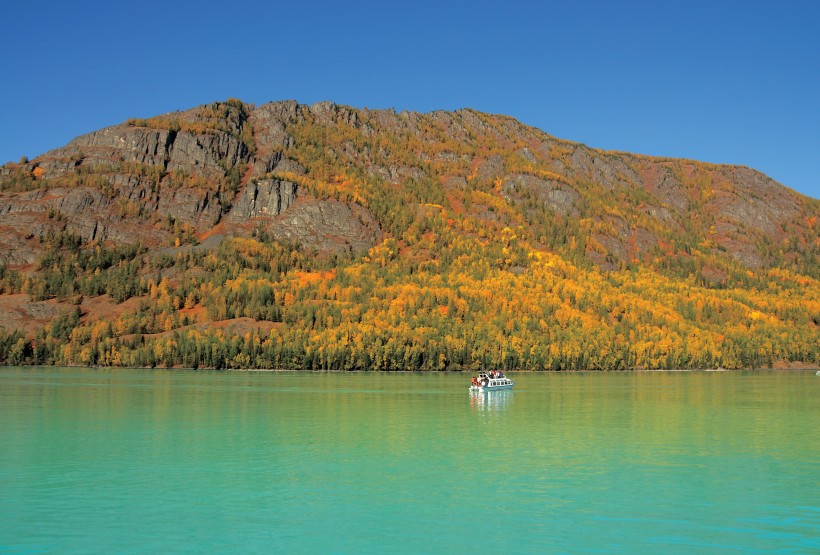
(327,237)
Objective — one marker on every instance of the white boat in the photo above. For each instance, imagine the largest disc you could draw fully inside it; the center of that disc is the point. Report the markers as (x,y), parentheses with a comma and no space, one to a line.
(492,381)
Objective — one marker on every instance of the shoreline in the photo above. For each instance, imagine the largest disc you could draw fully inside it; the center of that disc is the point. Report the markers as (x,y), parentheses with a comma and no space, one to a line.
(782,367)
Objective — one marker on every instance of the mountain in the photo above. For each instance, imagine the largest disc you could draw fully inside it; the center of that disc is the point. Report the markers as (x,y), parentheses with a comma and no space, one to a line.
(325,236)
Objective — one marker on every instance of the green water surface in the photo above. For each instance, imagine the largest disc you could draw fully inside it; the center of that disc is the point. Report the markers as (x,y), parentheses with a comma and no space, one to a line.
(150,461)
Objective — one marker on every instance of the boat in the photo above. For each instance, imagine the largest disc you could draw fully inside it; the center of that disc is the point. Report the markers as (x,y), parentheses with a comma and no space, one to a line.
(492,381)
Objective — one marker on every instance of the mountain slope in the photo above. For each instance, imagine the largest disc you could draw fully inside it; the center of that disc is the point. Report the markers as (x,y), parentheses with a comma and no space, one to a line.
(358,212)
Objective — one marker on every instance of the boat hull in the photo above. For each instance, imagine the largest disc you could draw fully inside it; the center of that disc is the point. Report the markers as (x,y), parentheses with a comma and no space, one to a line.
(487,388)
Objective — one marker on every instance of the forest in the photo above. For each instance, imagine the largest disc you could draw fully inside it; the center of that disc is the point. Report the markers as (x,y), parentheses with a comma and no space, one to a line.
(469,305)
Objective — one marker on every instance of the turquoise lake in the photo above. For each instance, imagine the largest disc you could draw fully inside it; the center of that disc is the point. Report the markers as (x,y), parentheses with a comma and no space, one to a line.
(154,461)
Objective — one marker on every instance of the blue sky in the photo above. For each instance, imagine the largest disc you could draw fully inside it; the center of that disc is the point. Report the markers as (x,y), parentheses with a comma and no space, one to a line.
(724,82)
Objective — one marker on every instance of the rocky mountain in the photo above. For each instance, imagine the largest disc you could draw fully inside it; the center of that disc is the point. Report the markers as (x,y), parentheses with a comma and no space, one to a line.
(336,181)
(193,171)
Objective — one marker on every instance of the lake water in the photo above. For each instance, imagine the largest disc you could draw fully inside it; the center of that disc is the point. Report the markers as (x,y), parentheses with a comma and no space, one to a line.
(139,461)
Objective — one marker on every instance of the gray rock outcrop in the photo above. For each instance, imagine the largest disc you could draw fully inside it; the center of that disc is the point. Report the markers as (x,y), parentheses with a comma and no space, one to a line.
(269,197)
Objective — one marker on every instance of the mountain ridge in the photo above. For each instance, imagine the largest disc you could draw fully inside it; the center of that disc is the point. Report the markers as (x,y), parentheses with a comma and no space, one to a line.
(405,189)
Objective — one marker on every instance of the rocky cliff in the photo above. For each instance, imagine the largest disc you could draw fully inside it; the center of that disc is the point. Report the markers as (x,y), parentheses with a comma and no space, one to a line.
(276,168)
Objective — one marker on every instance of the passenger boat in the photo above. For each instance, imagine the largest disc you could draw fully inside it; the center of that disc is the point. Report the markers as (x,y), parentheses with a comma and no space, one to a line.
(491,381)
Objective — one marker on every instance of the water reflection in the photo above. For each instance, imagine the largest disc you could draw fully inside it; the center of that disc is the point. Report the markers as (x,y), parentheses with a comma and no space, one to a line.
(490,401)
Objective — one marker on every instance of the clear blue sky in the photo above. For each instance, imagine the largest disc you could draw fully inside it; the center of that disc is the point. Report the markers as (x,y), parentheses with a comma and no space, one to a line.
(726,82)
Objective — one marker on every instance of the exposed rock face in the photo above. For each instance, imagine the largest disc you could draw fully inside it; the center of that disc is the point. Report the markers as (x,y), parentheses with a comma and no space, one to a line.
(492,168)
(292,216)
(108,146)
(667,188)
(143,179)
(238,166)
(205,154)
(327,225)
(759,202)
(269,197)
(558,197)
(194,206)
